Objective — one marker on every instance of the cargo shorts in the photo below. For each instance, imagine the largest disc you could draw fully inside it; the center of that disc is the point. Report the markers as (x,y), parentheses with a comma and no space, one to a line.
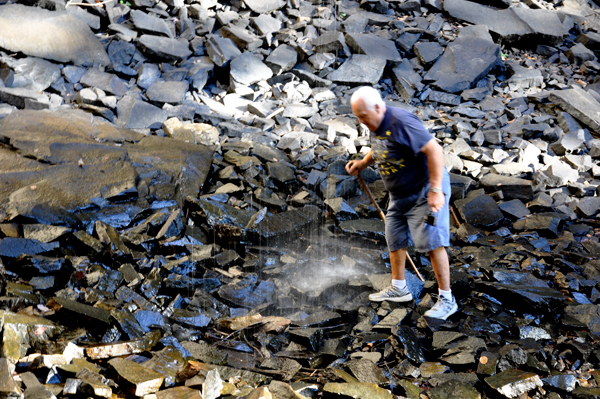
(404,221)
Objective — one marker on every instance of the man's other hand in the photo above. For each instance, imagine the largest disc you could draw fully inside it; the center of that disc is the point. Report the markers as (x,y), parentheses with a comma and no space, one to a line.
(436,201)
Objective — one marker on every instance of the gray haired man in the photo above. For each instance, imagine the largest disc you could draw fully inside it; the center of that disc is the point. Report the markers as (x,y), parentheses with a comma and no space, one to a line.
(411,164)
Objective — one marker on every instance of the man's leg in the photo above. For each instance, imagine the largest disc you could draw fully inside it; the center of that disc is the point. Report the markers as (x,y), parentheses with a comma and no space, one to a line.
(393,293)
(441,267)
(397,262)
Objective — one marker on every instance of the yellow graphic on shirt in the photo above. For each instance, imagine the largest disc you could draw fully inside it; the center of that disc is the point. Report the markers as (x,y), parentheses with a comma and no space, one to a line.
(385,164)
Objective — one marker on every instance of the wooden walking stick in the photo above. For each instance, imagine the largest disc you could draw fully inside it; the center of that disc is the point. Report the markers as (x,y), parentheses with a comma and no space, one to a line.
(382,216)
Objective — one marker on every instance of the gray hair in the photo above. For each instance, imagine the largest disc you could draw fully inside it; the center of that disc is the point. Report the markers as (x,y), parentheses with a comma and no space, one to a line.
(370,97)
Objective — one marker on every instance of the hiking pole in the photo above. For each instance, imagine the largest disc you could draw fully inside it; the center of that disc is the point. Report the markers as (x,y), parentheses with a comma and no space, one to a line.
(382,216)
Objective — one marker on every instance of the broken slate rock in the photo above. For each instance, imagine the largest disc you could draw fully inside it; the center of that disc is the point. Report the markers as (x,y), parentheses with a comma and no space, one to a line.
(513,383)
(54,35)
(455,70)
(511,25)
(164,47)
(580,104)
(247,70)
(481,210)
(359,69)
(511,187)
(264,6)
(373,45)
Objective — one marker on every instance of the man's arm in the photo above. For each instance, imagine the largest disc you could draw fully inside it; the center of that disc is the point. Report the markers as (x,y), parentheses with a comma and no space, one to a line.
(435,160)
(355,167)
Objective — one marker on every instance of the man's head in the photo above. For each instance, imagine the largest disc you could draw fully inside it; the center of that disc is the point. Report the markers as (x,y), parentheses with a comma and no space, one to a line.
(368,107)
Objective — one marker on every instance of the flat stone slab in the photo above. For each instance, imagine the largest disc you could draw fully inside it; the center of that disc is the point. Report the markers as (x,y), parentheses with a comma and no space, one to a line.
(513,24)
(138,379)
(53,35)
(373,45)
(579,104)
(247,70)
(164,47)
(359,69)
(465,61)
(264,6)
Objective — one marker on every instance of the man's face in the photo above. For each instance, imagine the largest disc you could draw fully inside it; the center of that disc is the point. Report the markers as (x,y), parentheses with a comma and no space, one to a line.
(371,118)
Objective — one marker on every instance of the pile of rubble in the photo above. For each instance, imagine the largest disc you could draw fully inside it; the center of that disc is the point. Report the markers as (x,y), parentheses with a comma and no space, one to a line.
(176,221)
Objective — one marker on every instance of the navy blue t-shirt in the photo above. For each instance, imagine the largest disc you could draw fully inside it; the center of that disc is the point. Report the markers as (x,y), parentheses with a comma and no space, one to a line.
(396,147)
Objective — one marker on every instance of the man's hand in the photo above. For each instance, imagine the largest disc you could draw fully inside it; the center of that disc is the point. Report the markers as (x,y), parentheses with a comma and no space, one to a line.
(436,201)
(355,167)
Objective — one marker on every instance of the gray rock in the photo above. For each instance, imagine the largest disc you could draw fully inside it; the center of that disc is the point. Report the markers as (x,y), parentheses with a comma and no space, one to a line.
(104,81)
(590,39)
(579,104)
(578,54)
(150,24)
(247,70)
(511,187)
(329,42)
(32,73)
(266,24)
(167,92)
(480,210)
(282,59)
(299,111)
(511,25)
(264,6)
(428,52)
(359,69)
(54,35)
(454,71)
(568,143)
(560,174)
(221,50)
(243,38)
(164,47)
(406,81)
(19,97)
(141,115)
(524,78)
(92,20)
(373,45)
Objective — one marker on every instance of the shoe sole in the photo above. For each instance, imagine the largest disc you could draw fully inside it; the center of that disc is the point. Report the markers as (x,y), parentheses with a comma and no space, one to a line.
(405,298)
(443,318)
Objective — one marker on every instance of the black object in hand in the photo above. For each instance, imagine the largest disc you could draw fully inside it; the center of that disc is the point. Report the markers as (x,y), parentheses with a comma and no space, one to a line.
(430,219)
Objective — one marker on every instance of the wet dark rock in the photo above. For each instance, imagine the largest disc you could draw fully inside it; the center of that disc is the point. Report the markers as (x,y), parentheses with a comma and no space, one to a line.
(512,383)
(410,342)
(453,389)
(366,371)
(481,210)
(14,247)
(517,290)
(284,227)
(357,390)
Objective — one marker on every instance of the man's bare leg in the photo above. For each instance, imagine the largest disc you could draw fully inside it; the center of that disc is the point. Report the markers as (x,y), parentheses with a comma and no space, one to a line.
(446,304)
(441,267)
(398,262)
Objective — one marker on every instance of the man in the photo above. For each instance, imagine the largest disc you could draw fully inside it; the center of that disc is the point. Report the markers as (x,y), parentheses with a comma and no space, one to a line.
(411,164)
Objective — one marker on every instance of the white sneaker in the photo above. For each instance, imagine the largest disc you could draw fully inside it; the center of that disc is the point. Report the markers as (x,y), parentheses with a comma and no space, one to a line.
(442,309)
(392,294)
